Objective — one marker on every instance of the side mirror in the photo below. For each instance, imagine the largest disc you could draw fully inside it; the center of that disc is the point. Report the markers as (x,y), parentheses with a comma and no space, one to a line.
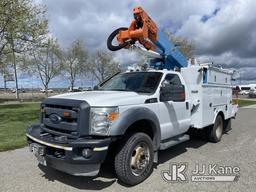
(170,92)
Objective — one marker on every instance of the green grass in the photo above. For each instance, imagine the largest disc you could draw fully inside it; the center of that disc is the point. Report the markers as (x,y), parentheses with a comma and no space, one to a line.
(243,103)
(14,120)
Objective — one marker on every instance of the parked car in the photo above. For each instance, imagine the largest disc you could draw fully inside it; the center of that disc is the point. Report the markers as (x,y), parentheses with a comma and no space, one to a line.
(75,89)
(252,93)
(244,92)
(48,91)
(87,89)
(19,90)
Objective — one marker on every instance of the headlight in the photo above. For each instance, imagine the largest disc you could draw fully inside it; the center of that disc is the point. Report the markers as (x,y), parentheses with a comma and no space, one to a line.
(101,120)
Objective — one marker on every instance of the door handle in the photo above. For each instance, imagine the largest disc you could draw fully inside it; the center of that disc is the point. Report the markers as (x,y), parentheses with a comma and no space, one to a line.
(187,105)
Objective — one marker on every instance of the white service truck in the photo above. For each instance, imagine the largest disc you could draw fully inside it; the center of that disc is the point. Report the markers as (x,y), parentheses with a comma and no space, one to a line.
(134,114)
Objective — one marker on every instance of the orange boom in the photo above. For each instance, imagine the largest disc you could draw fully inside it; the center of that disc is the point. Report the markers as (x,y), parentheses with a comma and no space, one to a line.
(142,29)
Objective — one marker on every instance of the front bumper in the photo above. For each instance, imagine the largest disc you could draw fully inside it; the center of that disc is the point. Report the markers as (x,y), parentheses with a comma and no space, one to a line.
(67,156)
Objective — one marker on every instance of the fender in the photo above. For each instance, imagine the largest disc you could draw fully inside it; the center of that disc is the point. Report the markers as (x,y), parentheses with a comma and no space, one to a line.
(132,115)
(218,111)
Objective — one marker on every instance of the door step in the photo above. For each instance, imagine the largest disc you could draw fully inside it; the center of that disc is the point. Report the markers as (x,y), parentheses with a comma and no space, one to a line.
(174,141)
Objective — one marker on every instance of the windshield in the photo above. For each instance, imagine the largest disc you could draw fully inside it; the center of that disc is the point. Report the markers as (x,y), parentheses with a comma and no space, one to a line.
(141,82)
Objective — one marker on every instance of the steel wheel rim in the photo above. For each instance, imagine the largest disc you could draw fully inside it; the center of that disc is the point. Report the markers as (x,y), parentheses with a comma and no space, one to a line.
(139,159)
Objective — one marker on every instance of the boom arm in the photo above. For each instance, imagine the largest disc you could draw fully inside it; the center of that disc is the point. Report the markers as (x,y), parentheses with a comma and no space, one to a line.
(144,30)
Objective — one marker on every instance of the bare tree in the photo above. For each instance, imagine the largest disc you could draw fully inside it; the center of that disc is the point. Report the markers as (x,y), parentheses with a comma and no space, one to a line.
(5,68)
(186,47)
(46,62)
(102,65)
(74,61)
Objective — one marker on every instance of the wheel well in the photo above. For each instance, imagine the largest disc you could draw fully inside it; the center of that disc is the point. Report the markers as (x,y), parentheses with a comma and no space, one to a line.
(144,126)
(221,114)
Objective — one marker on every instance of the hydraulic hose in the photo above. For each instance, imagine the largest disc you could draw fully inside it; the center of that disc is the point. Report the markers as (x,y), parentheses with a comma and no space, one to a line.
(111,38)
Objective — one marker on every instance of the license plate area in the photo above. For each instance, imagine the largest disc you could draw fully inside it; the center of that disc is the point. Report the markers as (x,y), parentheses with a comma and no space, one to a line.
(39,151)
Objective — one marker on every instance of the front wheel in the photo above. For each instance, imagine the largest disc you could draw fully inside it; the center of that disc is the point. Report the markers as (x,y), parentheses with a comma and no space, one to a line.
(134,160)
(215,131)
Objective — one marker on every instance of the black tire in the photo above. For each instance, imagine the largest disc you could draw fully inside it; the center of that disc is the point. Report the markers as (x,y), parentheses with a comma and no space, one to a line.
(123,159)
(112,36)
(215,131)
(227,125)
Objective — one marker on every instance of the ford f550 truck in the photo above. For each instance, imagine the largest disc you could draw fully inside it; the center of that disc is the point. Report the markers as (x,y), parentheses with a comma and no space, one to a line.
(133,114)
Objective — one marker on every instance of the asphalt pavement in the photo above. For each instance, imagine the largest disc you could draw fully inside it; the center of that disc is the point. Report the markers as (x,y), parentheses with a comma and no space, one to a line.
(19,170)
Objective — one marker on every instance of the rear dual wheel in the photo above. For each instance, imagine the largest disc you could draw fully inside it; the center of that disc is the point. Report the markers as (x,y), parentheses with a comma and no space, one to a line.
(215,131)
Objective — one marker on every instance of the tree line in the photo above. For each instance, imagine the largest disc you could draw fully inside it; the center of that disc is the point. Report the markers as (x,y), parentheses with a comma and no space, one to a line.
(49,60)
(26,45)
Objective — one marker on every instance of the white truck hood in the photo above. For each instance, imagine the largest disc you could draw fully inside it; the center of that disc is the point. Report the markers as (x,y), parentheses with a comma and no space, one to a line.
(106,98)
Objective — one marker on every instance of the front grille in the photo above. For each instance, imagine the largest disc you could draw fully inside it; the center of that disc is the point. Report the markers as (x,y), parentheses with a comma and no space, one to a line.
(71,126)
(67,126)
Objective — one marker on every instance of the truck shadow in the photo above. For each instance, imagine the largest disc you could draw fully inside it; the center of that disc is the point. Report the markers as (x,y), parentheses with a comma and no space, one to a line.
(107,175)
(179,149)
(79,182)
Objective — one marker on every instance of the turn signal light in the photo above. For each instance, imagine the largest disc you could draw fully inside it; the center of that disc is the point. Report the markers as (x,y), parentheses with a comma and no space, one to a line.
(112,116)
(66,114)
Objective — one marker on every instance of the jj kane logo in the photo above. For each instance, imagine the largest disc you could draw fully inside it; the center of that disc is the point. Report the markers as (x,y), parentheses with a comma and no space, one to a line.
(176,173)
(201,173)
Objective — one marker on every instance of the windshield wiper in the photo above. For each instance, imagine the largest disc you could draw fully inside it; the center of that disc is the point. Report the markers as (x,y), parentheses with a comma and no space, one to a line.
(115,90)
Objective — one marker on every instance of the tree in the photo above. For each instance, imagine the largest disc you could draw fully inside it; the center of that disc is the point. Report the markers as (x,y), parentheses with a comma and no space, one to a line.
(3,71)
(5,68)
(74,61)
(46,62)
(186,47)
(102,65)
(23,24)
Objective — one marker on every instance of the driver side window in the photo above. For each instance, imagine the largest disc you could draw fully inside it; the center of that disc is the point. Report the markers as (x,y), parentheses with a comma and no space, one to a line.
(172,89)
(173,79)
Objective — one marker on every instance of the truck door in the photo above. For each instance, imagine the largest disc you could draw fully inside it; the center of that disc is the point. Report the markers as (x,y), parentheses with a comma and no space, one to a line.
(175,115)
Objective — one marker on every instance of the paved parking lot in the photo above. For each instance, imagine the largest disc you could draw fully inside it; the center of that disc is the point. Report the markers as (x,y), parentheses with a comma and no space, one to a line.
(19,170)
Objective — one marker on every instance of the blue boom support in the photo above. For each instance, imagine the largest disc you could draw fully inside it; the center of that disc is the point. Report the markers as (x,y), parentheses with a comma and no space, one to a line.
(172,57)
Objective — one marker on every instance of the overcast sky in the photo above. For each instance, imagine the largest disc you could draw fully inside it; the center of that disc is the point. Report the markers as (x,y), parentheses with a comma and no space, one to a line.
(223,31)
